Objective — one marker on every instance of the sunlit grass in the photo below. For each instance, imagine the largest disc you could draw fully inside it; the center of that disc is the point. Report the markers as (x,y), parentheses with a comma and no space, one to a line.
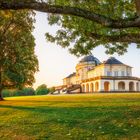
(78,117)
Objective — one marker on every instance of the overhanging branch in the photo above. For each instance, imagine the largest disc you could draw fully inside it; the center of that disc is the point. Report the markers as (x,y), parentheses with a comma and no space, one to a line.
(66,10)
(124,38)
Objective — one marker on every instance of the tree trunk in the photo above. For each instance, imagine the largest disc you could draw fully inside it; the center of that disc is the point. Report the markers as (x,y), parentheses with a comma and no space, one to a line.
(1,98)
(137,3)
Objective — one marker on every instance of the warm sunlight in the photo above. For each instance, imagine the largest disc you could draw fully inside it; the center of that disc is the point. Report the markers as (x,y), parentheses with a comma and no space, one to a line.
(56,63)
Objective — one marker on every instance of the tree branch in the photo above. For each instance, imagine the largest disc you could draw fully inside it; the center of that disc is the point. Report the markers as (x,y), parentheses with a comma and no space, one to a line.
(66,10)
(8,86)
(128,38)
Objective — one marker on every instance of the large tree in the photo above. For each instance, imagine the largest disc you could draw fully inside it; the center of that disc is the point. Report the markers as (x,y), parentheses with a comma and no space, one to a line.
(18,63)
(88,23)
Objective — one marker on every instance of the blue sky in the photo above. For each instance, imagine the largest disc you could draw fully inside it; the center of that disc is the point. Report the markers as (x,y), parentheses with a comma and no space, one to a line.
(56,63)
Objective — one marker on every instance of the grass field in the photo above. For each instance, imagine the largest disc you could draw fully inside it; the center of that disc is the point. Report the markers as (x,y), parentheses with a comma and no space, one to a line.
(71,117)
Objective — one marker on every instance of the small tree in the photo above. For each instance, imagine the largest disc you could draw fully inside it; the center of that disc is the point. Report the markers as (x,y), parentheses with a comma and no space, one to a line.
(42,90)
(51,90)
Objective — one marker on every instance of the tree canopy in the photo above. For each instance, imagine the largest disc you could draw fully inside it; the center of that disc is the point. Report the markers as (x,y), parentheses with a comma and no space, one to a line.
(42,90)
(87,23)
(18,63)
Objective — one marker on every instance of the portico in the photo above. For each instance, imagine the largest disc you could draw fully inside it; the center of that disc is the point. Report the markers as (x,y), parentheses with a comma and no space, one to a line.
(111,85)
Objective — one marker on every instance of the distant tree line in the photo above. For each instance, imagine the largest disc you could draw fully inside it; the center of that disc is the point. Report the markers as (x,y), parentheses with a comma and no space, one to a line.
(27,91)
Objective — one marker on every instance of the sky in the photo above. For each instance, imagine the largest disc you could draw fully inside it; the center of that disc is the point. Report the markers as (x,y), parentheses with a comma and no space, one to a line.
(55,63)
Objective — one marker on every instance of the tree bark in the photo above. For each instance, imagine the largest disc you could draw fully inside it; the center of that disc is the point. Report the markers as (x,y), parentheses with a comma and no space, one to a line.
(137,3)
(1,98)
(1,88)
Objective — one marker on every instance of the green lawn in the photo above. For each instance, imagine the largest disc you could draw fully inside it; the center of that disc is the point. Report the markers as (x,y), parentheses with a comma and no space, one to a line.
(71,117)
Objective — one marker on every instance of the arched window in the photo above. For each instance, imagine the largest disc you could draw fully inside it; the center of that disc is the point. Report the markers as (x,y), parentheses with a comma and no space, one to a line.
(131,86)
(106,86)
(83,88)
(96,86)
(91,87)
(121,86)
(87,88)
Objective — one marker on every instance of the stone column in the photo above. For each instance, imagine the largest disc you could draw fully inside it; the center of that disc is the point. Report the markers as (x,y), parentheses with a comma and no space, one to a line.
(127,85)
(101,85)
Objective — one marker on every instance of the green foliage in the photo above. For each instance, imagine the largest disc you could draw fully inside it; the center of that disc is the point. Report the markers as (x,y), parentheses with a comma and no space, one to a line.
(18,93)
(7,93)
(51,90)
(75,32)
(42,90)
(28,91)
(18,62)
(24,92)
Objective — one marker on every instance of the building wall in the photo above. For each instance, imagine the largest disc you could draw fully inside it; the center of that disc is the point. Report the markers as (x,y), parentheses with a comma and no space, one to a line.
(70,81)
(110,70)
(97,71)
(121,70)
(66,81)
(82,70)
(73,80)
(111,85)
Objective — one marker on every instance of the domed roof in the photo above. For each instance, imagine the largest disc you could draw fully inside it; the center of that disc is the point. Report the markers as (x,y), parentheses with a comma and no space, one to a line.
(90,58)
(112,60)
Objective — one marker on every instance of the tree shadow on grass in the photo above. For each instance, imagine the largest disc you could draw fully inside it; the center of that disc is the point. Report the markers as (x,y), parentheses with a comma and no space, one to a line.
(76,112)
(100,119)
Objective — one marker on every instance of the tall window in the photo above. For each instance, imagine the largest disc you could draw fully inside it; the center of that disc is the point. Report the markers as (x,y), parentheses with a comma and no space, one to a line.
(128,74)
(108,73)
(122,73)
(115,73)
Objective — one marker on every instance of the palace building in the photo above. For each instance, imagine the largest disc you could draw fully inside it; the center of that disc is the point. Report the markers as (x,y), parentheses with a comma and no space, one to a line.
(94,76)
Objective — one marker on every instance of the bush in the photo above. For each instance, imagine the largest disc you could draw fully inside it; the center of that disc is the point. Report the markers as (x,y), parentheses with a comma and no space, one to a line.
(18,93)
(7,93)
(52,89)
(28,91)
(42,90)
(24,92)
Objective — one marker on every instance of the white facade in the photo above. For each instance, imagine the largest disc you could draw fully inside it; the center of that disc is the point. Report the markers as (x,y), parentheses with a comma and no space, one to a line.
(111,86)
(109,76)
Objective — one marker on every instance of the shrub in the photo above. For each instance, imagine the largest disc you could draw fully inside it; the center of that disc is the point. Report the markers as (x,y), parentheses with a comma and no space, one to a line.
(15,92)
(52,89)
(25,92)
(7,93)
(28,91)
(18,93)
(42,90)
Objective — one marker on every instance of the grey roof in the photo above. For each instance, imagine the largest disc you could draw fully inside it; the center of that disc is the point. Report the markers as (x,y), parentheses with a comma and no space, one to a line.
(90,58)
(112,60)
(71,75)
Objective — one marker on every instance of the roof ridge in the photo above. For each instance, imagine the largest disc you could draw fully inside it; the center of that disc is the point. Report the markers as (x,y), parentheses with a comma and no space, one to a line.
(112,60)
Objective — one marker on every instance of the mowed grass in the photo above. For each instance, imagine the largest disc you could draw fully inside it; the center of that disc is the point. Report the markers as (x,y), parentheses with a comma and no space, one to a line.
(71,117)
